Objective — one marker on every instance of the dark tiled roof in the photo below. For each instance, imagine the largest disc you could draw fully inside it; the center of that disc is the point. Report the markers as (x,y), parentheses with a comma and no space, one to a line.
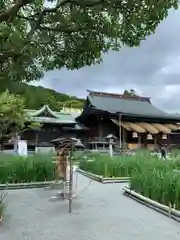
(127,105)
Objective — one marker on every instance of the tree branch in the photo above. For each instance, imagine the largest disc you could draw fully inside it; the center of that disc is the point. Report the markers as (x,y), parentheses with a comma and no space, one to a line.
(12,133)
(40,16)
(87,3)
(10,13)
(4,56)
(37,19)
(66,29)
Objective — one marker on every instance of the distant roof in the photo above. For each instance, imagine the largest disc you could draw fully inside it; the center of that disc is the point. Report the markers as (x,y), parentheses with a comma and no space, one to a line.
(52,116)
(127,105)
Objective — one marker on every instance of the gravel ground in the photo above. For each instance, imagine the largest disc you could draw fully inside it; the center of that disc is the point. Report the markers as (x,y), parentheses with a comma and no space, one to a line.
(100,212)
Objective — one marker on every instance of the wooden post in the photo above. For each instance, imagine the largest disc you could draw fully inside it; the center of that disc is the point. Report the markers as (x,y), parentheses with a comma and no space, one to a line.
(100,130)
(120,143)
(139,141)
(66,151)
(155,142)
(124,138)
(36,139)
(70,179)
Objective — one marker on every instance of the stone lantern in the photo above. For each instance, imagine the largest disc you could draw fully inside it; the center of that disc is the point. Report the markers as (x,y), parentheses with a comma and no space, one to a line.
(111,139)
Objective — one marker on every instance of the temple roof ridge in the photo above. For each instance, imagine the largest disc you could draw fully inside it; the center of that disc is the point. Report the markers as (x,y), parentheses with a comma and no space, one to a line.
(121,96)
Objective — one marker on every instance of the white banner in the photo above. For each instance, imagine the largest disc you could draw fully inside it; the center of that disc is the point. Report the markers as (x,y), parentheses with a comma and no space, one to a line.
(22,148)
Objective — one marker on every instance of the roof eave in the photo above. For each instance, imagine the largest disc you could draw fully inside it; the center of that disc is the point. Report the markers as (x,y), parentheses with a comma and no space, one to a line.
(167,116)
(53,122)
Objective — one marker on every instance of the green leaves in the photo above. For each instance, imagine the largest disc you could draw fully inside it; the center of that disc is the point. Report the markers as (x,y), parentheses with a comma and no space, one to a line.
(35,126)
(12,116)
(72,33)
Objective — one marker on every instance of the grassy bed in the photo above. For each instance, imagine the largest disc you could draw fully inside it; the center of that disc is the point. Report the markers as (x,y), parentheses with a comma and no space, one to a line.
(149,176)
(16,169)
(124,166)
(159,184)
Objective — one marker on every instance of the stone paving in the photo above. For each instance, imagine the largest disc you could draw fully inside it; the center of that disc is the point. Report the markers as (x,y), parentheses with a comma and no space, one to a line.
(99,213)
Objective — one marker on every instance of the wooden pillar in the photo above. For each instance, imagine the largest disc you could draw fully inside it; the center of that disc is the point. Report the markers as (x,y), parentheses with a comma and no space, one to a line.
(120,131)
(123,138)
(139,140)
(36,139)
(169,139)
(155,142)
(100,133)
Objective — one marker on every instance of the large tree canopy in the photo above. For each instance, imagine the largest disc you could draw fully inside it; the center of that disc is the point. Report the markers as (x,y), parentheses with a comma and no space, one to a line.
(35,37)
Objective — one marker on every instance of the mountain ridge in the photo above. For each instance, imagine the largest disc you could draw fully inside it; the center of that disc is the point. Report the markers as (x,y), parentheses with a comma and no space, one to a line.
(37,96)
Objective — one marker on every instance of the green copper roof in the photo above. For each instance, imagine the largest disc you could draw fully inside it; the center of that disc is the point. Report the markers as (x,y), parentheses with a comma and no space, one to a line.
(53,116)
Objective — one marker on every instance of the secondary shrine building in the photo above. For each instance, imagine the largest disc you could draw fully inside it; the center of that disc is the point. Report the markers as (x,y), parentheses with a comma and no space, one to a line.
(55,125)
(132,119)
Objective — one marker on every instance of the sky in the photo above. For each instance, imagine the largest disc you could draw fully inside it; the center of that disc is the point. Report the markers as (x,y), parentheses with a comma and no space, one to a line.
(153,70)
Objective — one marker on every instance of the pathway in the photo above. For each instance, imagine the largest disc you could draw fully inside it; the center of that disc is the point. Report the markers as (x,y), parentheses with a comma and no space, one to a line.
(99,213)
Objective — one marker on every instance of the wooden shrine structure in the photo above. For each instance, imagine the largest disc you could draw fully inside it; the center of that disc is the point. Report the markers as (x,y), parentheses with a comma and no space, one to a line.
(134,120)
(64,150)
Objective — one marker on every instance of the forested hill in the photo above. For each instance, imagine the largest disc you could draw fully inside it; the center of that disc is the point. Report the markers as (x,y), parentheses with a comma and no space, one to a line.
(36,96)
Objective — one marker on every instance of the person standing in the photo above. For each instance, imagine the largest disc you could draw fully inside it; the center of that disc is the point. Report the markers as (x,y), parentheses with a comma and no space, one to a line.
(163,152)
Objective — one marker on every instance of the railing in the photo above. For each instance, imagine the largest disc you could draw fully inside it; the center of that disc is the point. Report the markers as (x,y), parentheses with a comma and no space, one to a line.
(98,139)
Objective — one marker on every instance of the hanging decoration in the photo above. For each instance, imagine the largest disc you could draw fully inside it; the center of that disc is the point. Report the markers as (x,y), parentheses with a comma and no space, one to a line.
(149,137)
(164,136)
(134,135)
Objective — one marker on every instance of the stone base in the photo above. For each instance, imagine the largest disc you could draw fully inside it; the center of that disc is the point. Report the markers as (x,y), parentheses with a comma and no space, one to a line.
(61,196)
(57,186)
